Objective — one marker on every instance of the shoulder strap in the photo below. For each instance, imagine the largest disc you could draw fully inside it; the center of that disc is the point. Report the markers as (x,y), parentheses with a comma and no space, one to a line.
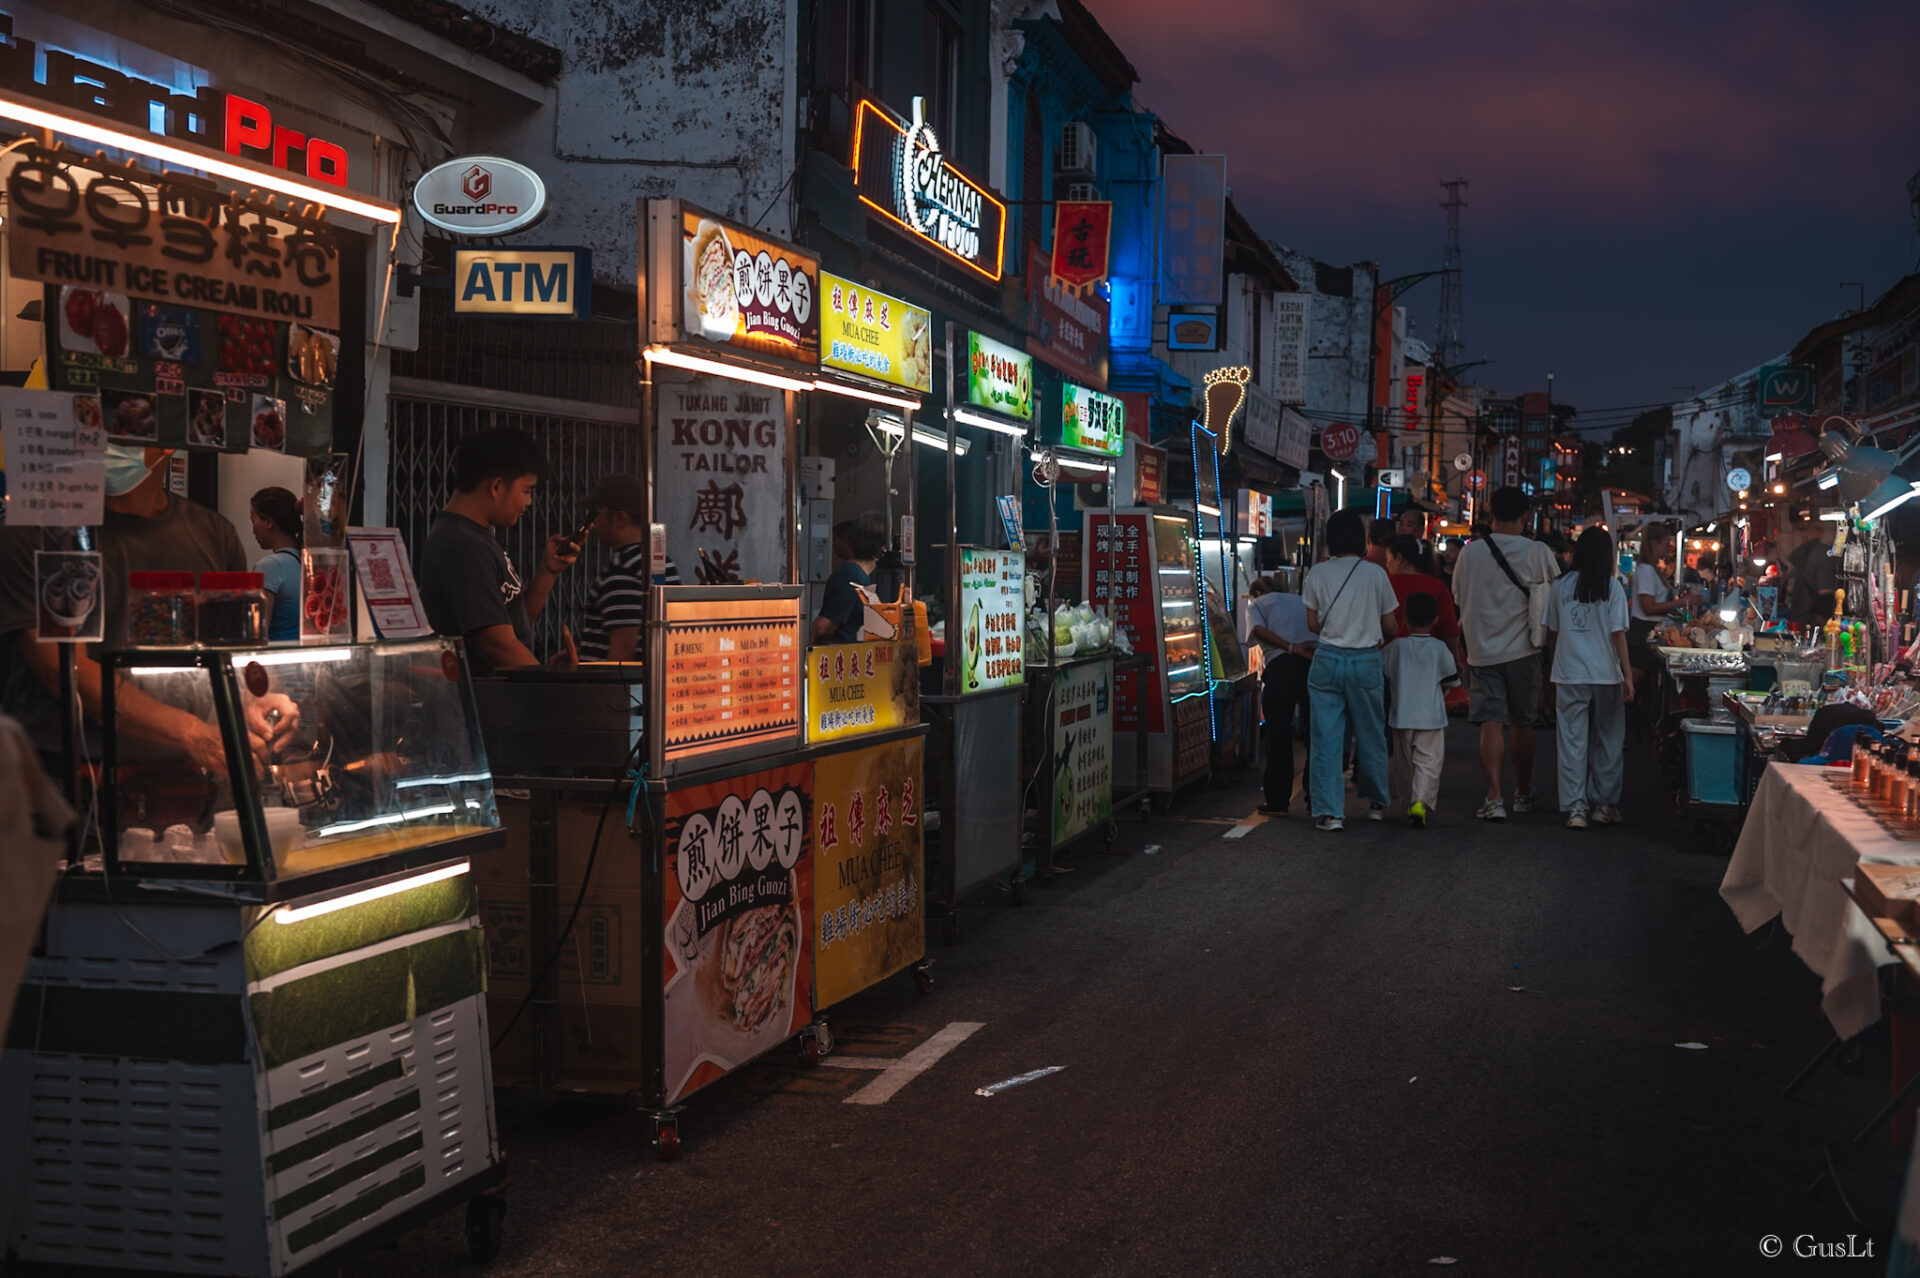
(1505,567)
(1343,584)
(288,550)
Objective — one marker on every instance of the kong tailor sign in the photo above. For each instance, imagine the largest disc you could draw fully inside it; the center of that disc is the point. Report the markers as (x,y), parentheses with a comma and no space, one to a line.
(480,195)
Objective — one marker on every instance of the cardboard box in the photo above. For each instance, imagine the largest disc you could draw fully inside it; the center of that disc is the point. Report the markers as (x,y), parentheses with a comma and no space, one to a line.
(621,864)
(1888,891)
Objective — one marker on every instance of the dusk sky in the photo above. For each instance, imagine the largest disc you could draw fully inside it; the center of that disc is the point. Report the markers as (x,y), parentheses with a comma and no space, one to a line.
(1662,195)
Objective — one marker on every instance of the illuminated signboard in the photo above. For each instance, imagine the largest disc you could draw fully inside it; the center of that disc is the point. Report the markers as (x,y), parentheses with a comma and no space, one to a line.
(999,378)
(555,282)
(1090,420)
(480,195)
(729,674)
(744,289)
(54,59)
(875,335)
(900,172)
(992,646)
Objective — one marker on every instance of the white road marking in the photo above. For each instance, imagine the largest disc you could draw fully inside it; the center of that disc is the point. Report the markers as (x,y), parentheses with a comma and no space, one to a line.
(1247,826)
(896,1073)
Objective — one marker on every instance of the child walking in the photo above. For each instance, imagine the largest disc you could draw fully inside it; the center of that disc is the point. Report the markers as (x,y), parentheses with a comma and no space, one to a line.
(1587,634)
(1416,667)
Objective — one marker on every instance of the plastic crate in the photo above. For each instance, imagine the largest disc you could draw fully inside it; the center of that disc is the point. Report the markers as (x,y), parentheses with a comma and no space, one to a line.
(1712,768)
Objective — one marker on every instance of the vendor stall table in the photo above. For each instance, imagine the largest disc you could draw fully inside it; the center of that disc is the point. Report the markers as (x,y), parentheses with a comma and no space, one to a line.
(1801,838)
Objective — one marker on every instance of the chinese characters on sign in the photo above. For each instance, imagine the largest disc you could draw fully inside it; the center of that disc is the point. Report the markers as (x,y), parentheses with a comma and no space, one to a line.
(1081,230)
(738,898)
(746,290)
(1194,229)
(720,449)
(857,688)
(875,335)
(992,591)
(1091,420)
(81,223)
(56,450)
(1082,749)
(869,869)
(1122,569)
(1066,329)
(1288,378)
(999,378)
(730,675)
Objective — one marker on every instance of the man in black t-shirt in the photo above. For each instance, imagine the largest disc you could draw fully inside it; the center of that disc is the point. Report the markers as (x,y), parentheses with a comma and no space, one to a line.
(617,604)
(467,583)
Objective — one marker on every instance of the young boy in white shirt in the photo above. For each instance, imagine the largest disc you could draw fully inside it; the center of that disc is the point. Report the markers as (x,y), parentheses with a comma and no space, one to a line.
(1417,667)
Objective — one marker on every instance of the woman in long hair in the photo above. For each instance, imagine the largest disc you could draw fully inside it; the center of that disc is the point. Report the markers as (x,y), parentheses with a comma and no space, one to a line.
(1593,681)
(275,516)
(1350,607)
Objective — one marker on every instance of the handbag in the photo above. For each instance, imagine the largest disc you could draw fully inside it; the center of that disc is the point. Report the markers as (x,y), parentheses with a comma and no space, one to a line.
(1537,593)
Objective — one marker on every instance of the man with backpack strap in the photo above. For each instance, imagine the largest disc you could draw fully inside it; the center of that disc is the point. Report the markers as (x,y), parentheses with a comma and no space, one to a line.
(1495,584)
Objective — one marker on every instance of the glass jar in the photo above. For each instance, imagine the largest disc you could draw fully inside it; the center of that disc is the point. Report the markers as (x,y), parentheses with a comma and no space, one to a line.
(160,610)
(233,608)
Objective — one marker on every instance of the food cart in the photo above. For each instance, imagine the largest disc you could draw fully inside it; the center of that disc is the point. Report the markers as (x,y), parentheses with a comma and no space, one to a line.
(713,844)
(255,1034)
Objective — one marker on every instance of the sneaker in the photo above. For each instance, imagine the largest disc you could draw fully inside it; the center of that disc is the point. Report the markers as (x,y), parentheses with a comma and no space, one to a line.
(1577,819)
(1329,823)
(1524,803)
(1492,810)
(1417,815)
(1376,812)
(1606,814)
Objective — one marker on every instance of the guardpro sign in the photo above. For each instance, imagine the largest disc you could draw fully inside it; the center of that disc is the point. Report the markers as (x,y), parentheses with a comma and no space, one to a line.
(480,195)
(552,282)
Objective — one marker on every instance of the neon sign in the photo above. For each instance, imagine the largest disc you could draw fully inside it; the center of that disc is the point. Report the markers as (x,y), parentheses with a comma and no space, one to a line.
(204,114)
(900,172)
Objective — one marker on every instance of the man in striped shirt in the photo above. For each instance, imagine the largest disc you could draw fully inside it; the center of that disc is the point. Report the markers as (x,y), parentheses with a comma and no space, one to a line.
(617,604)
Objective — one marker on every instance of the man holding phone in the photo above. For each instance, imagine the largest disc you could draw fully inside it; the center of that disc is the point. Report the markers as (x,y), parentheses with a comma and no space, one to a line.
(617,604)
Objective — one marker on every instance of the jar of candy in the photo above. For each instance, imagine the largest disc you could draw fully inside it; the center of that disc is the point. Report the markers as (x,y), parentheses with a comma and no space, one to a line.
(233,608)
(160,610)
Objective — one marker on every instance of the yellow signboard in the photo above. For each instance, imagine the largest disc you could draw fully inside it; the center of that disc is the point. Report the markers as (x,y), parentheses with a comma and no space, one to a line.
(875,335)
(869,868)
(555,282)
(857,688)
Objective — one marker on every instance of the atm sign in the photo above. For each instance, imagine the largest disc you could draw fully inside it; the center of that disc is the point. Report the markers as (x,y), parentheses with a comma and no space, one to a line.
(553,282)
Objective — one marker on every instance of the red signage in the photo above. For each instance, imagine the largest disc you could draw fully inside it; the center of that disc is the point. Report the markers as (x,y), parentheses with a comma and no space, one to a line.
(1121,571)
(1081,231)
(1510,458)
(1339,441)
(1412,400)
(1064,329)
(1476,480)
(1150,474)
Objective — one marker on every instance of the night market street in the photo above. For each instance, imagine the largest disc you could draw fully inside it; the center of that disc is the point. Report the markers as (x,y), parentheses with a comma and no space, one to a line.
(1288,1052)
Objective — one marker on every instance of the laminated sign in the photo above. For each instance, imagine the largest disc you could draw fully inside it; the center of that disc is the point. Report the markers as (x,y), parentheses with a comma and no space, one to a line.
(721,474)
(870,876)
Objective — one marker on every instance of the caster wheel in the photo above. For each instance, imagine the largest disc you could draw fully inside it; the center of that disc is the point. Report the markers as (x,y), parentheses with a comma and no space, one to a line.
(823,1036)
(485,1215)
(950,930)
(810,1052)
(923,981)
(666,1142)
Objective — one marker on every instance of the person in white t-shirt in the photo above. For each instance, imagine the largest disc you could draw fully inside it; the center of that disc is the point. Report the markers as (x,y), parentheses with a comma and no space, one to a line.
(1417,667)
(1494,594)
(1592,679)
(1350,607)
(1277,621)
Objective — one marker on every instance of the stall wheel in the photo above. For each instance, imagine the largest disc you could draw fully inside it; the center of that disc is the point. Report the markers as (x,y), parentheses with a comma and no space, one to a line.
(485,1215)
(666,1139)
(923,978)
(816,1044)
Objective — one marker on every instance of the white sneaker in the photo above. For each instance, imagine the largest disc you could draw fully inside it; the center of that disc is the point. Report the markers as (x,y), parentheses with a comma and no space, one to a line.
(1577,819)
(1330,824)
(1524,803)
(1492,810)
(1606,814)
(1376,812)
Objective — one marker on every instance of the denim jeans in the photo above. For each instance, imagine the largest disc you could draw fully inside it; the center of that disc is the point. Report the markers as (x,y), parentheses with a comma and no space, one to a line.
(1347,691)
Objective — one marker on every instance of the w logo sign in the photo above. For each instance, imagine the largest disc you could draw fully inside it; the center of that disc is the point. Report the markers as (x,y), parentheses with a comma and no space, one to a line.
(1786,388)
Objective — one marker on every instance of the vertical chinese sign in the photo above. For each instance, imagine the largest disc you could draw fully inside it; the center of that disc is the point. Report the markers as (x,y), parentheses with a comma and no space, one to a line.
(1122,567)
(1082,749)
(738,904)
(1194,237)
(1288,370)
(721,474)
(992,593)
(869,871)
(1081,232)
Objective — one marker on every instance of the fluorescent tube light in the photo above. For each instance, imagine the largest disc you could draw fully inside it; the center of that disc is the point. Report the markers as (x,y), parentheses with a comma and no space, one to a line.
(297,913)
(900,402)
(932,439)
(701,364)
(299,656)
(984,422)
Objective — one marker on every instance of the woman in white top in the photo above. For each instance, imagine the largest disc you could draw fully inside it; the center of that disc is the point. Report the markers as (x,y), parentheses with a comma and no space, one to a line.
(1350,607)
(1592,679)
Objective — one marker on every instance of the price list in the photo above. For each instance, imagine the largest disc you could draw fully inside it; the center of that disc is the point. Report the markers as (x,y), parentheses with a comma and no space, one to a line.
(730,682)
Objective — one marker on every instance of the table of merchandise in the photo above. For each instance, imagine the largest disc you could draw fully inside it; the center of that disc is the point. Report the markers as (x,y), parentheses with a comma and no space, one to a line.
(1802,836)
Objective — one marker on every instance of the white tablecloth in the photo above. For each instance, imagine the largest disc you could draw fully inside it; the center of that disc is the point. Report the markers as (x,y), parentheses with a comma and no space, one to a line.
(1801,838)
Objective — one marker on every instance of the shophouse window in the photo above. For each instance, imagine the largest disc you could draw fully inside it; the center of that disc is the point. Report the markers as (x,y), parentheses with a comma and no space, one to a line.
(1033,159)
(943,73)
(853,29)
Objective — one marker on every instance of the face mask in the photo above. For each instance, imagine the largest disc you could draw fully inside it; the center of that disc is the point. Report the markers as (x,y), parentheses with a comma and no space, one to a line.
(127,468)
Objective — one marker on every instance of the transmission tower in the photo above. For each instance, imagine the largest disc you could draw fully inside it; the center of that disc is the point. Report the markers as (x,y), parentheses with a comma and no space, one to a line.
(1452,343)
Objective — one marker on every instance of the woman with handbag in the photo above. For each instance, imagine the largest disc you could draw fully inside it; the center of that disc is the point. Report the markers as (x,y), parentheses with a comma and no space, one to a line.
(1350,608)
(1501,586)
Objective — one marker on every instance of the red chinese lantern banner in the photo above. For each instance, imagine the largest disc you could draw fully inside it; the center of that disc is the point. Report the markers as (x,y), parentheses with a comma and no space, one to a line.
(1082,232)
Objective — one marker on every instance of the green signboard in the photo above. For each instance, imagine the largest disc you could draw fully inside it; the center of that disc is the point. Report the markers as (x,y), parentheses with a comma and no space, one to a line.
(1091,420)
(999,378)
(992,592)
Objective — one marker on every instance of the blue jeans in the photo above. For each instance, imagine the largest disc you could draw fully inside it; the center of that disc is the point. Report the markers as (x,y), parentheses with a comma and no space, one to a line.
(1347,691)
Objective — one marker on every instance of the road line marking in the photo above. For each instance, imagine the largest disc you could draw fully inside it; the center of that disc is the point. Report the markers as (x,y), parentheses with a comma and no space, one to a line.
(896,1074)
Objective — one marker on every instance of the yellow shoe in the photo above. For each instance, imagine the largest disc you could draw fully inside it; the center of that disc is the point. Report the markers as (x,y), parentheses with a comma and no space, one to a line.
(1417,814)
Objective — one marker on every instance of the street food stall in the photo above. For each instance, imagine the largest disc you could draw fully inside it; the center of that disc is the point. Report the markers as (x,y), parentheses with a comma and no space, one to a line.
(711,845)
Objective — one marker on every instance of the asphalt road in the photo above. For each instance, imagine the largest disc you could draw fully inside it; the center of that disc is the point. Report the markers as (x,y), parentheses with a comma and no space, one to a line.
(1288,1053)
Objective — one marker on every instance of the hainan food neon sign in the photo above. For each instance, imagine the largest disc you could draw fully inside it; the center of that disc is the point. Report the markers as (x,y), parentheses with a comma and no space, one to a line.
(901,172)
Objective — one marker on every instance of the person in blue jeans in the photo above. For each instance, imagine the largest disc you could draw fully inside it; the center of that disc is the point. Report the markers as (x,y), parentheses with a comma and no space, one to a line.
(1350,607)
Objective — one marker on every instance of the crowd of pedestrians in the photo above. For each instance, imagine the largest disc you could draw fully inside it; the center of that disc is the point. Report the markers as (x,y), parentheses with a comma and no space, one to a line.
(1380,634)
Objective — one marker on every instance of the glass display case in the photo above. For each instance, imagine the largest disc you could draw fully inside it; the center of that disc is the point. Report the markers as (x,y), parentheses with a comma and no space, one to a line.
(292,762)
(1177,584)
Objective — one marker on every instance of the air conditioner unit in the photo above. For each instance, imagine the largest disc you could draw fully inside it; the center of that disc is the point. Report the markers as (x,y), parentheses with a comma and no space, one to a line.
(1076,149)
(1083,191)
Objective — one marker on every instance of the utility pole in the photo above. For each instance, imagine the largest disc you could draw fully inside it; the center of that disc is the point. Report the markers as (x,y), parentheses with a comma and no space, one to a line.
(1452,343)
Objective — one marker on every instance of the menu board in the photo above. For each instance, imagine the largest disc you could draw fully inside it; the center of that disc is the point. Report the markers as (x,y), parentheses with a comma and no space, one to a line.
(871,873)
(729,675)
(992,590)
(999,378)
(857,688)
(55,456)
(744,289)
(875,335)
(1091,420)
(1082,749)
(1122,571)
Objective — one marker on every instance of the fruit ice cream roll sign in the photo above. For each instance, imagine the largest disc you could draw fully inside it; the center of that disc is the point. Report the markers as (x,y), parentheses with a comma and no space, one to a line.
(738,895)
